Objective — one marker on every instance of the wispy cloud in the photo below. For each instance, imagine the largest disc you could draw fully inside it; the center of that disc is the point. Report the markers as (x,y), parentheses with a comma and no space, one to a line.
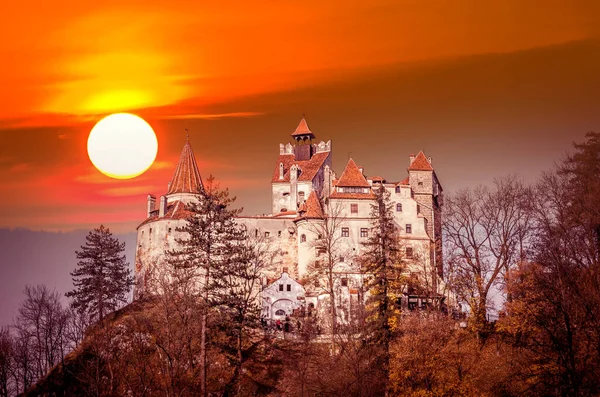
(215,116)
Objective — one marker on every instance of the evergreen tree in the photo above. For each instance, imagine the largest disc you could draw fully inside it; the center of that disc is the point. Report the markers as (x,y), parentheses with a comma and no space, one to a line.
(382,264)
(102,278)
(207,248)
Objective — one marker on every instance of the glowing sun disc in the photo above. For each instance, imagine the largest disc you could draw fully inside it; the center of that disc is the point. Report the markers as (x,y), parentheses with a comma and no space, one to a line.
(122,145)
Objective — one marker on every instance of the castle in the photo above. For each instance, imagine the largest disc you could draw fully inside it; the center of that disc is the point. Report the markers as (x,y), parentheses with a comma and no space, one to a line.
(305,191)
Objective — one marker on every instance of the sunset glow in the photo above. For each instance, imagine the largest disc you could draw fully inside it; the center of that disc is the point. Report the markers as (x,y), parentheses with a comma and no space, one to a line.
(122,146)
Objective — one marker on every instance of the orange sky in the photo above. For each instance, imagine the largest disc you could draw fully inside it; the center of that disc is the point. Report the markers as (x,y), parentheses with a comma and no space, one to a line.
(505,85)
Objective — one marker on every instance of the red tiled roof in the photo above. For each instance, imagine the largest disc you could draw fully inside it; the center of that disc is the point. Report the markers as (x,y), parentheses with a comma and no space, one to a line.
(285,213)
(352,177)
(356,196)
(312,208)
(302,129)
(405,181)
(187,177)
(420,163)
(309,168)
(175,210)
(377,179)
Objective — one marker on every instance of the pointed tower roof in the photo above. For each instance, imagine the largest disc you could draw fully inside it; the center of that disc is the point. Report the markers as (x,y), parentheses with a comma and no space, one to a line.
(187,177)
(352,176)
(303,130)
(311,209)
(420,163)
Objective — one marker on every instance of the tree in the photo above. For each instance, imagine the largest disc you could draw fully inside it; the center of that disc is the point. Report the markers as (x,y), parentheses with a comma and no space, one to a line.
(486,233)
(382,263)
(329,247)
(42,317)
(102,278)
(555,314)
(209,235)
(6,360)
(236,295)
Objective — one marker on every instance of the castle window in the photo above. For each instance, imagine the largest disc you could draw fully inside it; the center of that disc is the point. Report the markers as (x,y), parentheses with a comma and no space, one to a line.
(170,230)
(354,189)
(341,258)
(286,194)
(289,287)
(344,282)
(303,238)
(284,209)
(301,196)
(267,234)
(345,232)
(397,189)
(354,208)
(280,313)
(255,232)
(409,252)
(321,251)
(279,233)
(420,183)
(280,287)
(399,207)
(364,232)
(408,228)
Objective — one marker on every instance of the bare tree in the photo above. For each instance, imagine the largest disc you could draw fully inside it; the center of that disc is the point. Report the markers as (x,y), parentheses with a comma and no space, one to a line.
(329,248)
(485,236)
(6,362)
(42,321)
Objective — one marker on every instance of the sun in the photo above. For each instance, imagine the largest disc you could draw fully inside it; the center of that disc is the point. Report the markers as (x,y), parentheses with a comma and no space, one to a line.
(122,145)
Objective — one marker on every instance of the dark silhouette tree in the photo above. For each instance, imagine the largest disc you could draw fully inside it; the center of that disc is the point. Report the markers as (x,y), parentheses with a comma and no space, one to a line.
(102,278)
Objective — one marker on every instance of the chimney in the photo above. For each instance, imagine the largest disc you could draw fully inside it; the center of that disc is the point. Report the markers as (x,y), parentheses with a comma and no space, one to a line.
(162,208)
(361,169)
(412,158)
(151,204)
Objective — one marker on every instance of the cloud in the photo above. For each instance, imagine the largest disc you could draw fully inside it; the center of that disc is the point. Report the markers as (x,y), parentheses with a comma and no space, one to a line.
(212,116)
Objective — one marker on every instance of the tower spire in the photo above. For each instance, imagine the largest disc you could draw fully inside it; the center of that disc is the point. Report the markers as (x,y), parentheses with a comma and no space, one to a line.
(187,177)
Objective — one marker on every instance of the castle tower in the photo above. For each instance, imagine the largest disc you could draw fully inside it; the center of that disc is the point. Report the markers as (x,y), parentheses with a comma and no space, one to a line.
(158,232)
(186,180)
(427,192)
(310,213)
(299,170)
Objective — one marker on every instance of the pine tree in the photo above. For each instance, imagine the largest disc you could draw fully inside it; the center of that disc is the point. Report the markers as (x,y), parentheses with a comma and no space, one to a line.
(102,278)
(383,266)
(207,248)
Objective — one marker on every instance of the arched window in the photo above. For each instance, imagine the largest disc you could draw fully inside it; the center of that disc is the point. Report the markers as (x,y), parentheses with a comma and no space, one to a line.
(303,238)
(280,312)
(399,207)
